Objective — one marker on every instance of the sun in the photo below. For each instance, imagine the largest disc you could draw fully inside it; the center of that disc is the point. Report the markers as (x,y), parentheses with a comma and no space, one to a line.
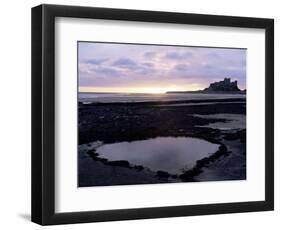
(152,90)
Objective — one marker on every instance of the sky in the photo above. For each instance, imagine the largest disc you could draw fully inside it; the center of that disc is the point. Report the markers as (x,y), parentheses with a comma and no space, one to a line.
(135,68)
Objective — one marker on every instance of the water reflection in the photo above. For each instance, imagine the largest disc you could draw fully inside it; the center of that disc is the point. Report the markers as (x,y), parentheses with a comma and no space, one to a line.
(233,121)
(169,154)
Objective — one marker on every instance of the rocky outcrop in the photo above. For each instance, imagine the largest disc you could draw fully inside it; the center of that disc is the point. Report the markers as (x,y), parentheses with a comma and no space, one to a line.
(223,86)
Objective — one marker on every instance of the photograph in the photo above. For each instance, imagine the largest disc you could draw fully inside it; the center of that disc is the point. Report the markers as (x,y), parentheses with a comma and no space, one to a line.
(175,109)
(154,113)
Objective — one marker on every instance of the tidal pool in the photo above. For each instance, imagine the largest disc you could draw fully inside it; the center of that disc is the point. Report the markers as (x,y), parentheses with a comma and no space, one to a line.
(170,154)
(234,121)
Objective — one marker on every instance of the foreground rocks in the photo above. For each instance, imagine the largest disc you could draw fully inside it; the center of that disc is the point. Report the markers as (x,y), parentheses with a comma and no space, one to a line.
(197,169)
(140,121)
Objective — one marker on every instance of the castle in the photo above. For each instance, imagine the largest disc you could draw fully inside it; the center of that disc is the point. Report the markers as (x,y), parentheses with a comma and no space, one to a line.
(225,85)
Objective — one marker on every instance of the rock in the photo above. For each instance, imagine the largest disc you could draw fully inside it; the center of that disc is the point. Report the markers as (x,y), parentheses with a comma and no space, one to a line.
(190,174)
(163,174)
(241,134)
(92,153)
(120,163)
(139,167)
(103,160)
(203,162)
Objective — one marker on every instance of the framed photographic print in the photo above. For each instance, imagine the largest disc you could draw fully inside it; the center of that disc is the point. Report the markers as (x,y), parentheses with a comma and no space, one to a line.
(142,114)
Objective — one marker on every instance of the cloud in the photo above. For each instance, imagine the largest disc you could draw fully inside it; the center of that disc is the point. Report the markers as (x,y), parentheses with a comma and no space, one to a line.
(149,54)
(106,71)
(144,70)
(86,70)
(95,61)
(148,64)
(182,67)
(131,67)
(178,55)
(213,55)
(126,63)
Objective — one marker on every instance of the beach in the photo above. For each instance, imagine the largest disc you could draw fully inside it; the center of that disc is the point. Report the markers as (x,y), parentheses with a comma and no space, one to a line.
(167,125)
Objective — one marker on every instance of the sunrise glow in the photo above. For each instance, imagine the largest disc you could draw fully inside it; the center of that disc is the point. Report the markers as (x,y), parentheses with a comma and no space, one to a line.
(149,90)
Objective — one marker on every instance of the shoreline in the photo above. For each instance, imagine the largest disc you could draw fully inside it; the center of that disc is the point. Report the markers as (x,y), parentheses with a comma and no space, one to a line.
(242,100)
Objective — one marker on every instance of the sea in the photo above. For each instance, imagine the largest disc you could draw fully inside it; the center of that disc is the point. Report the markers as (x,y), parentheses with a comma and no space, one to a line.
(145,97)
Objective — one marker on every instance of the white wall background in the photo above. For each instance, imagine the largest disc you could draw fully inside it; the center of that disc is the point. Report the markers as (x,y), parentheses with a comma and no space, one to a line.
(15,114)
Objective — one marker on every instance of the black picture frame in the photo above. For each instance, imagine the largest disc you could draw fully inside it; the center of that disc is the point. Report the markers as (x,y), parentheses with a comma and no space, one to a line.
(43,114)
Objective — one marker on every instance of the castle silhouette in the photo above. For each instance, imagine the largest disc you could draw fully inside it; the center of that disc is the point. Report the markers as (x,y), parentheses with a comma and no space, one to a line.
(225,85)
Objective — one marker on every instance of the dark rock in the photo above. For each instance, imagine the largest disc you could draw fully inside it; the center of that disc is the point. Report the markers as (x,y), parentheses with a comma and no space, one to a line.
(92,153)
(188,175)
(197,169)
(203,162)
(163,174)
(103,160)
(120,163)
(149,121)
(139,167)
(241,134)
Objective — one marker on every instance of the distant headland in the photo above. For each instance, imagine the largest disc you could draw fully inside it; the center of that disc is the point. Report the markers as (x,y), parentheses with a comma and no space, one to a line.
(225,86)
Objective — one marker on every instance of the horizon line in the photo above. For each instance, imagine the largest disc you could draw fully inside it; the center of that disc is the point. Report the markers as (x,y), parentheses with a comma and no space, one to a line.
(176,91)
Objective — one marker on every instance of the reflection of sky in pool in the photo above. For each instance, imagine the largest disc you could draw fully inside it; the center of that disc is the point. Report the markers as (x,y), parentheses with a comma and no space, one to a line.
(233,121)
(169,154)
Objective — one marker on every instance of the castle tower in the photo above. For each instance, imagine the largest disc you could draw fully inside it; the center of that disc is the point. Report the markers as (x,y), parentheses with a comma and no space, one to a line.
(227,80)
